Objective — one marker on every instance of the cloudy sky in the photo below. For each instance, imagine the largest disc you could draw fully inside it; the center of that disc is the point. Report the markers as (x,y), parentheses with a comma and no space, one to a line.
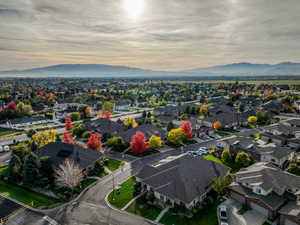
(151,34)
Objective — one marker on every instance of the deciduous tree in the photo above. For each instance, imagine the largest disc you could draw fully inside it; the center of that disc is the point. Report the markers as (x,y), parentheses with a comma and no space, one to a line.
(155,142)
(138,143)
(44,137)
(176,136)
(242,159)
(217,125)
(187,127)
(68,138)
(130,123)
(95,142)
(68,123)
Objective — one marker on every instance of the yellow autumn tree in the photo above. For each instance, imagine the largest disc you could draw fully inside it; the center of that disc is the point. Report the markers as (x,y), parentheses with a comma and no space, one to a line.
(44,137)
(130,122)
(252,119)
(88,111)
(176,136)
(155,142)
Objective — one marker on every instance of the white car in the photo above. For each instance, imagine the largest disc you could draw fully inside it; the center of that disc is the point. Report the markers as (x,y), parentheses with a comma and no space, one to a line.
(223,215)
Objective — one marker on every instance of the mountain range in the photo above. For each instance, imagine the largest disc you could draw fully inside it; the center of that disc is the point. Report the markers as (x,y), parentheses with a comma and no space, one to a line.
(101,70)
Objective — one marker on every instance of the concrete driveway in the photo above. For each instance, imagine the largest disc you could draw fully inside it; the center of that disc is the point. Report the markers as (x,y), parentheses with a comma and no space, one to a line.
(250,217)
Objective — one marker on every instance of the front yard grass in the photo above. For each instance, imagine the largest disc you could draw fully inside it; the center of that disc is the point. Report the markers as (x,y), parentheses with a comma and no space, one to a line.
(26,196)
(3,170)
(141,208)
(206,216)
(212,158)
(113,164)
(119,198)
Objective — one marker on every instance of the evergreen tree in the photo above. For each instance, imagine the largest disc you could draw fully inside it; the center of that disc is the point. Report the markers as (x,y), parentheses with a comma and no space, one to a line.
(14,168)
(30,171)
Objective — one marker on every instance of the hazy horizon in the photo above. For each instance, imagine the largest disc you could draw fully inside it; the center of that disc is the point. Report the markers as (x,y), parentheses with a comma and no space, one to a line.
(169,35)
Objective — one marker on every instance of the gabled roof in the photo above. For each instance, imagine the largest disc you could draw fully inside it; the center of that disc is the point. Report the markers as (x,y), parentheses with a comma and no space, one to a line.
(268,177)
(147,129)
(58,152)
(184,178)
(103,126)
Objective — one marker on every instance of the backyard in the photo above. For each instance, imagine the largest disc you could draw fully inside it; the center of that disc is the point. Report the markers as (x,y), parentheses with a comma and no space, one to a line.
(26,196)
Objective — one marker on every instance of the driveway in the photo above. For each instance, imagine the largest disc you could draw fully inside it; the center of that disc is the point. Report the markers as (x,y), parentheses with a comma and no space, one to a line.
(250,217)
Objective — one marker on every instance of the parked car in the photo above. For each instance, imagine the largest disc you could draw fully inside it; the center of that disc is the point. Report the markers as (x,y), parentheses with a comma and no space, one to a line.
(223,215)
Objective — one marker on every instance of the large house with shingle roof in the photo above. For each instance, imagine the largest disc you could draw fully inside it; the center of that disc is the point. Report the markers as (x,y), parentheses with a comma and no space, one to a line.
(182,181)
(105,126)
(270,191)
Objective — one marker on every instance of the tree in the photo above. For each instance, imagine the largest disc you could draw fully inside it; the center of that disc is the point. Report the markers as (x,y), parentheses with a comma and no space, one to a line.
(226,156)
(68,175)
(144,115)
(28,110)
(88,112)
(117,143)
(30,172)
(12,106)
(252,119)
(221,184)
(187,127)
(242,159)
(44,137)
(75,116)
(138,143)
(68,138)
(78,130)
(217,125)
(106,115)
(95,142)
(14,168)
(176,136)
(130,122)
(68,123)
(46,171)
(108,106)
(155,142)
(263,117)
(21,106)
(203,109)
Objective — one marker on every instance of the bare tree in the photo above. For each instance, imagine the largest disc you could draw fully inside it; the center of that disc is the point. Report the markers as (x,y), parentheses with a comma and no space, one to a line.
(68,174)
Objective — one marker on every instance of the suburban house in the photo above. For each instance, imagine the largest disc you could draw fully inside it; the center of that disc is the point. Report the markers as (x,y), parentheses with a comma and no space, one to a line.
(147,129)
(182,181)
(58,152)
(105,126)
(121,106)
(270,191)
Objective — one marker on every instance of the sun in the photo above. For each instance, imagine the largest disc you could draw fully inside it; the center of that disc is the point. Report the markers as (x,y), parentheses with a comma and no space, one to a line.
(134,8)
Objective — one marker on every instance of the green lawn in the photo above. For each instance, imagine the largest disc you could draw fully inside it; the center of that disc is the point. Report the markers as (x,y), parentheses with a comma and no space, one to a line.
(119,198)
(207,216)
(3,170)
(28,197)
(141,208)
(4,132)
(113,164)
(212,158)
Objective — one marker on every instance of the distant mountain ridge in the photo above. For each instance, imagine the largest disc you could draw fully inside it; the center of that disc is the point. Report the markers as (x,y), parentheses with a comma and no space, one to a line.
(102,70)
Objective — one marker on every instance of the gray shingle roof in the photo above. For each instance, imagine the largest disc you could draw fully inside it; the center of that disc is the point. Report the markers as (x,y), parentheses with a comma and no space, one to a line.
(103,126)
(184,178)
(58,152)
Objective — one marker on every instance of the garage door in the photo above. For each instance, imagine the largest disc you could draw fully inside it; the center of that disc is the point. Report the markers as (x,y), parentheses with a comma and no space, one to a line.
(237,197)
(259,209)
(288,222)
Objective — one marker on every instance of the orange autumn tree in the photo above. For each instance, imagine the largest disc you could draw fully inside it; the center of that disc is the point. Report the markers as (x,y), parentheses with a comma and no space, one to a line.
(106,115)
(186,126)
(68,138)
(95,142)
(138,143)
(217,125)
(68,123)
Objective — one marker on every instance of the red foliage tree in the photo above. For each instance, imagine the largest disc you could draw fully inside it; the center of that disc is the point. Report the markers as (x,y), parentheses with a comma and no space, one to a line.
(68,123)
(68,138)
(187,127)
(106,115)
(138,143)
(95,142)
(12,106)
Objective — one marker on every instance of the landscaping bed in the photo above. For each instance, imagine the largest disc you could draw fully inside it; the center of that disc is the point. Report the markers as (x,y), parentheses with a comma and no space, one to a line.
(119,198)
(145,153)
(206,216)
(142,208)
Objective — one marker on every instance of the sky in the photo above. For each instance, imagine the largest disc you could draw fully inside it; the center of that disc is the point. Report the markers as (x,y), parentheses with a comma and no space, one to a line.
(150,34)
